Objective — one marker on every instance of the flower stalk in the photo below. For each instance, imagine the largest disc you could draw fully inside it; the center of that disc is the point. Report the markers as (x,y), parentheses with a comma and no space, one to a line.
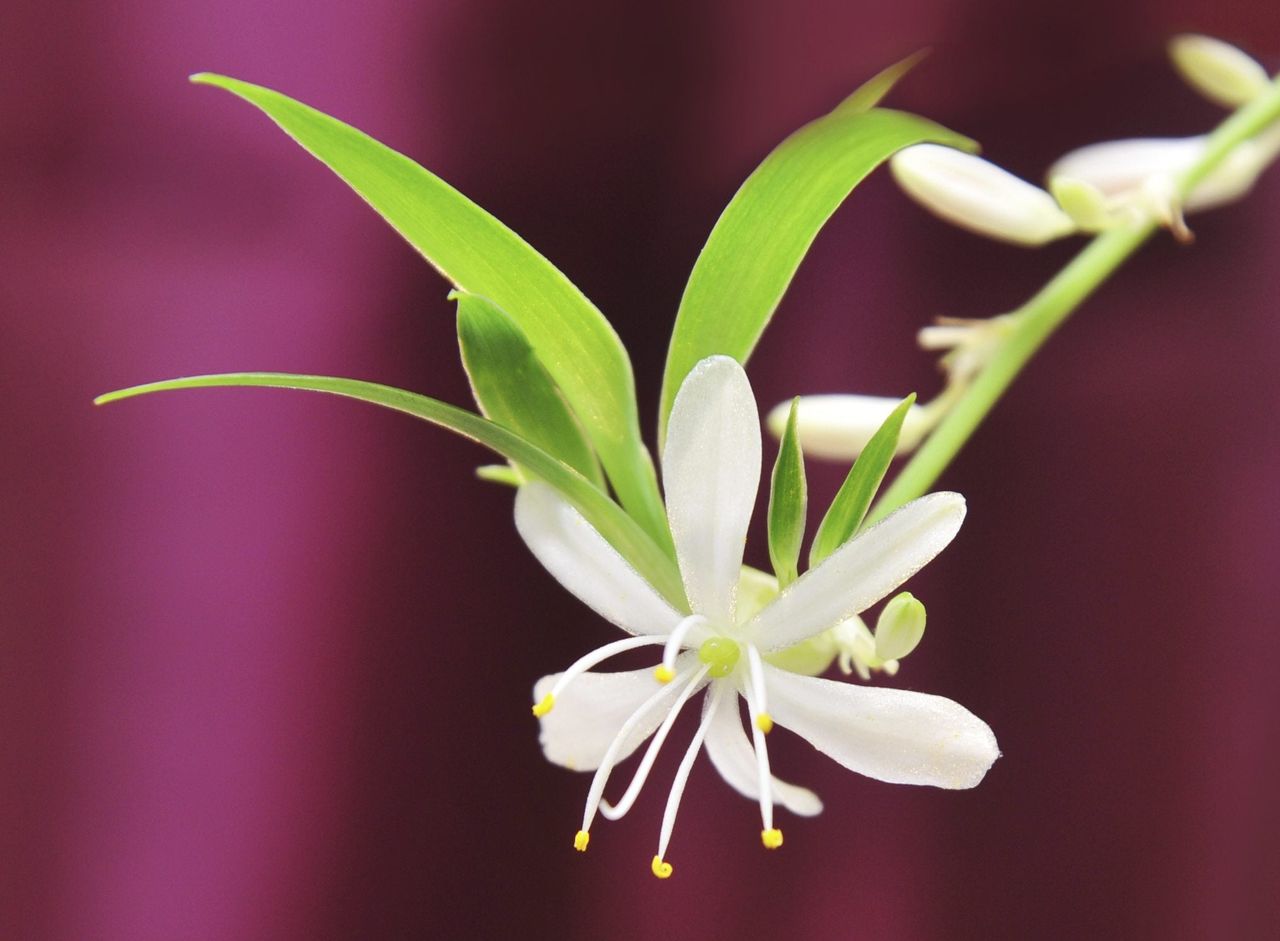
(1036,320)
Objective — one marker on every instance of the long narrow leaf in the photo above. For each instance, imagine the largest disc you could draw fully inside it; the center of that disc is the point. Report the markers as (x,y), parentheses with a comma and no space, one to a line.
(871,92)
(788,501)
(762,236)
(849,508)
(513,389)
(479,254)
(605,515)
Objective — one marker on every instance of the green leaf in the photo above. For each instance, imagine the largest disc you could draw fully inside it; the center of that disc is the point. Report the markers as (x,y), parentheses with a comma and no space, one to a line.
(849,508)
(479,254)
(871,92)
(762,236)
(607,517)
(788,501)
(513,388)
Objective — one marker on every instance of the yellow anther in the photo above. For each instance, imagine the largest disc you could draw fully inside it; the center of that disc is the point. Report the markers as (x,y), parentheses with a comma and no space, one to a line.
(771,839)
(540,709)
(580,841)
(764,722)
(661,868)
(664,674)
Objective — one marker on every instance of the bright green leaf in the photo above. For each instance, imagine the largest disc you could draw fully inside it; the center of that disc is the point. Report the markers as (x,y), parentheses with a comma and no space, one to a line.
(479,254)
(606,516)
(871,92)
(849,508)
(762,236)
(788,501)
(513,388)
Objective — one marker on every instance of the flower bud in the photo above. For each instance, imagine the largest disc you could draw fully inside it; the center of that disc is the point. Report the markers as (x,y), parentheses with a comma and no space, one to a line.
(1218,70)
(1120,170)
(976,194)
(838,427)
(900,627)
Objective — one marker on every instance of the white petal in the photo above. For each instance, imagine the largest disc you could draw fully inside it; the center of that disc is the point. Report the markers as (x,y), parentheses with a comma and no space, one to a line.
(577,731)
(711,471)
(891,735)
(583,562)
(976,194)
(860,572)
(838,427)
(730,751)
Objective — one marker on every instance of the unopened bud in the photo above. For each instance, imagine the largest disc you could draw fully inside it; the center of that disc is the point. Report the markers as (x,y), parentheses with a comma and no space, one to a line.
(900,627)
(838,427)
(977,195)
(1083,202)
(1218,70)
(1121,169)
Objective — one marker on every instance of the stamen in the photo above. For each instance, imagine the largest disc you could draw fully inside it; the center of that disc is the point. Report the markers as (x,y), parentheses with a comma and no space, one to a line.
(586,662)
(682,777)
(661,868)
(763,721)
(762,759)
(616,811)
(580,841)
(673,644)
(771,839)
(598,782)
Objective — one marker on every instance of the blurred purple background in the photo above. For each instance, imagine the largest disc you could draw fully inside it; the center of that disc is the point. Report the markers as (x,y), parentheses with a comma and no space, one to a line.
(265,658)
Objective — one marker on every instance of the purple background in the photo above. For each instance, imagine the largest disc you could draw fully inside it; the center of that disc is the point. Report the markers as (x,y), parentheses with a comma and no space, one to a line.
(265,658)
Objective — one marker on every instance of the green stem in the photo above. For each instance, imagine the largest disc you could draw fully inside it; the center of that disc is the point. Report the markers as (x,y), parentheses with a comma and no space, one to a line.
(1039,317)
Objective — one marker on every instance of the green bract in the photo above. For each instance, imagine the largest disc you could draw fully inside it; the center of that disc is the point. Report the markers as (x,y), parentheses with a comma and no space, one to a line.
(788,501)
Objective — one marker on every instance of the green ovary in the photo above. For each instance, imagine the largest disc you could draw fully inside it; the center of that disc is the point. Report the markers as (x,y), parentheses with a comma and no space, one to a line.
(720,654)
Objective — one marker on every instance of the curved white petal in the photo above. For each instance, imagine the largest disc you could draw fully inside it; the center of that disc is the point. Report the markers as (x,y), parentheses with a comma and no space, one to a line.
(577,731)
(860,572)
(891,735)
(583,562)
(730,751)
(711,471)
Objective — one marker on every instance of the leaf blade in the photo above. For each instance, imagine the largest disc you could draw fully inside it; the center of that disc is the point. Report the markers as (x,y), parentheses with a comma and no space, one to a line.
(610,520)
(479,254)
(849,508)
(788,502)
(514,389)
(763,234)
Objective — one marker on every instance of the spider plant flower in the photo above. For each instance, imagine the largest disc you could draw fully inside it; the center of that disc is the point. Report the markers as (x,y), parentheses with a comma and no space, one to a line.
(732,643)
(838,427)
(977,195)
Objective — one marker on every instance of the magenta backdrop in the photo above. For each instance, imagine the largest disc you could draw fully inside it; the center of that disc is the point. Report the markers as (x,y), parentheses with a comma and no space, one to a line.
(266,657)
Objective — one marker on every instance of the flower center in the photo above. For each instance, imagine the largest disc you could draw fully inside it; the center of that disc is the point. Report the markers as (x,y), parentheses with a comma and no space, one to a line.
(720,654)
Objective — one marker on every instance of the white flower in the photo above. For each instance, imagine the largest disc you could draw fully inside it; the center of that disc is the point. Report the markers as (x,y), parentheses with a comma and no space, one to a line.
(976,194)
(723,649)
(839,426)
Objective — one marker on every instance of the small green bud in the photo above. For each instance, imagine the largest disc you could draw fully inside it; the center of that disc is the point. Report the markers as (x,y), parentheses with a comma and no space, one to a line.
(1218,70)
(900,627)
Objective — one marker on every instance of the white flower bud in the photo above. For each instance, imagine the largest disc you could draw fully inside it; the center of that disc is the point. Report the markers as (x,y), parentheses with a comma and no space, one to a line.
(1218,70)
(1121,169)
(838,427)
(900,627)
(976,194)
